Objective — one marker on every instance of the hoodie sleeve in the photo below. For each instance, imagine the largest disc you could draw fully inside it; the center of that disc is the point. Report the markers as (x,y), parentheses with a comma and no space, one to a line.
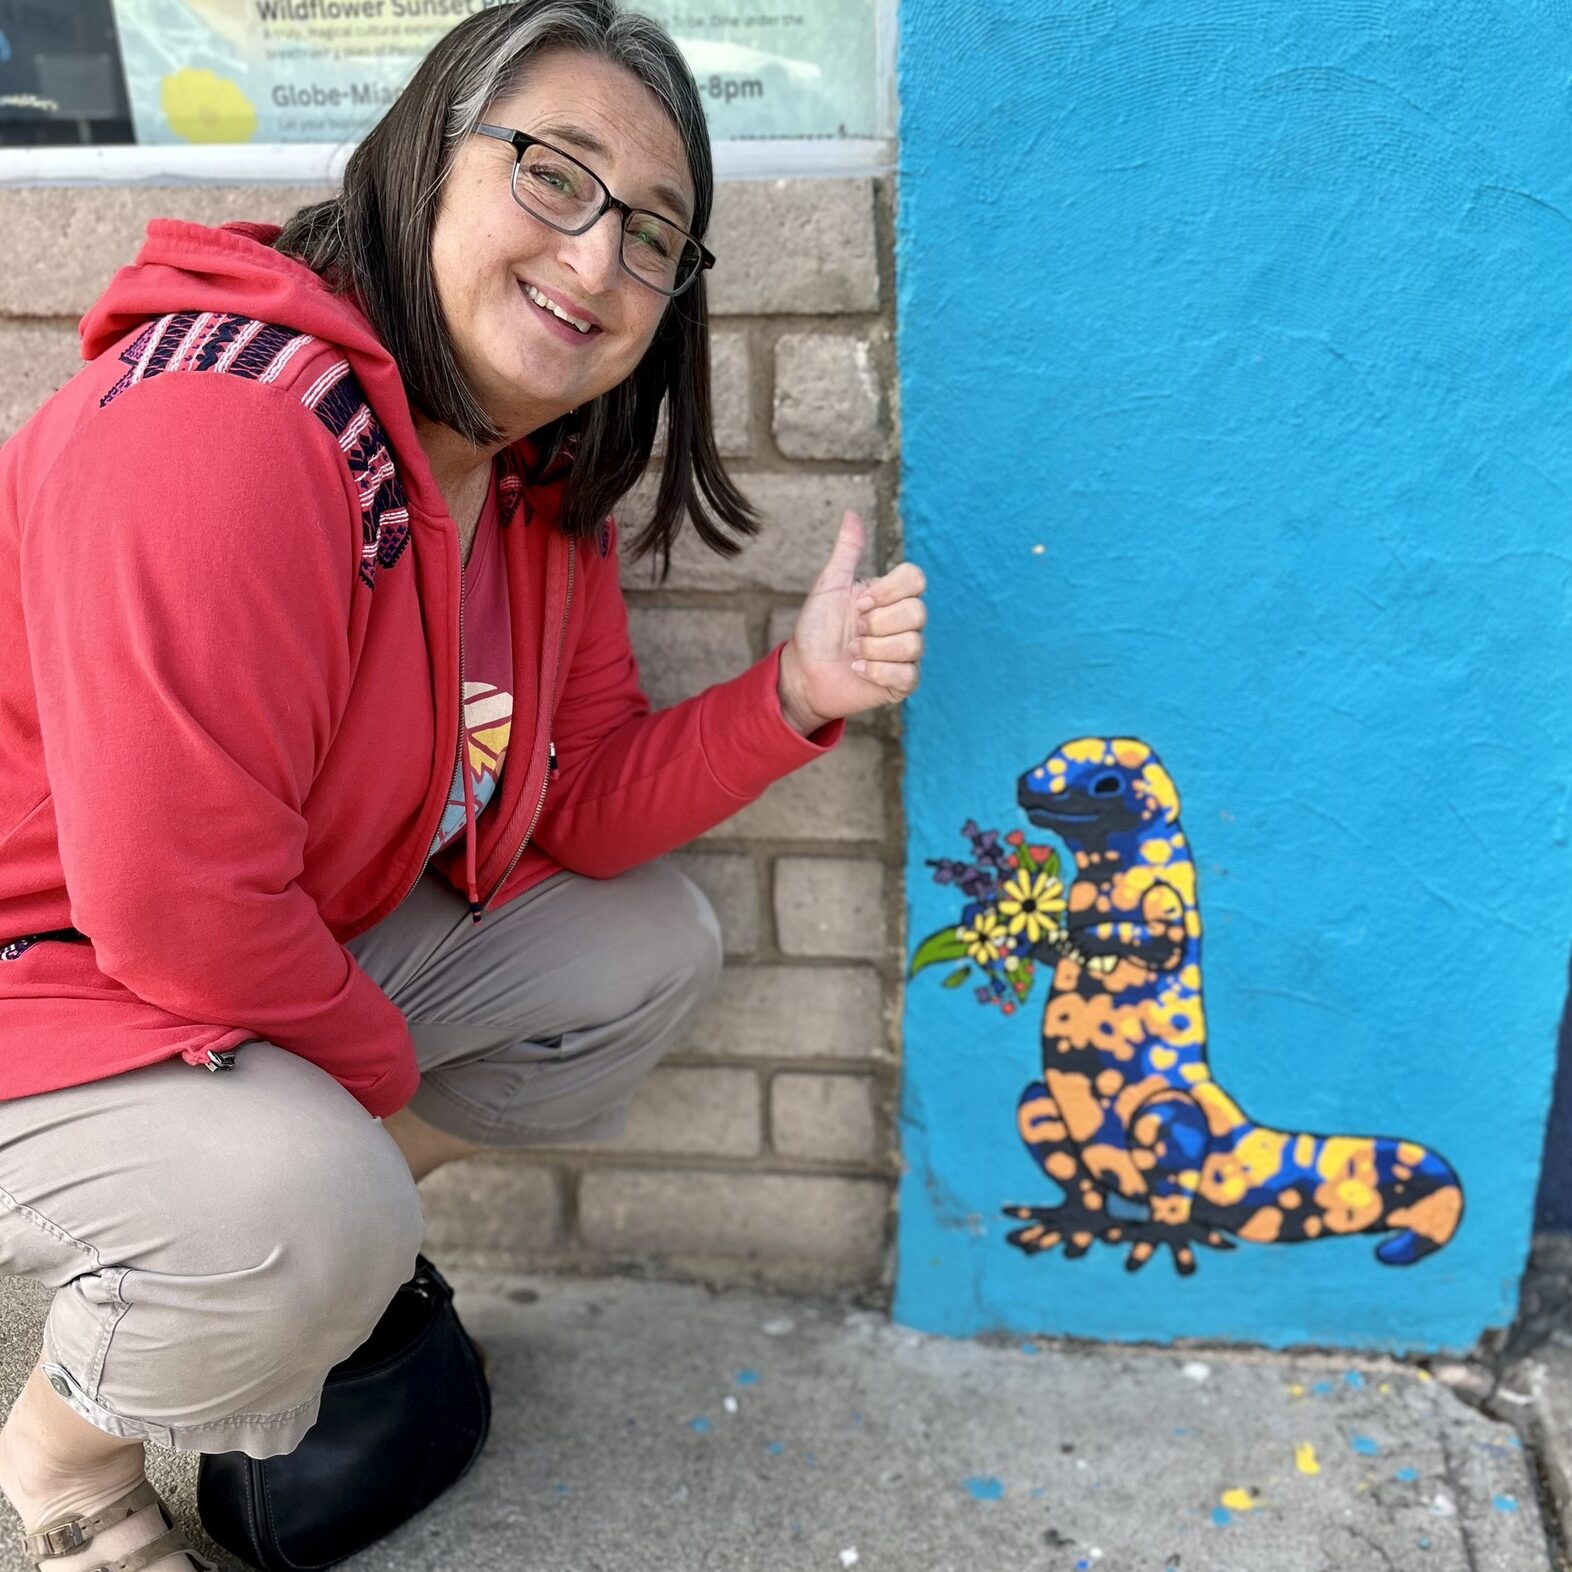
(186,578)
(633,785)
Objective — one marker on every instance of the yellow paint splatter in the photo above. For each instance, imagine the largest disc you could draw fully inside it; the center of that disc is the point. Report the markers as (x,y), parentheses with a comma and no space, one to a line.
(1423,1376)
(1239,1501)
(1385,1389)
(1305,1459)
(1296,1390)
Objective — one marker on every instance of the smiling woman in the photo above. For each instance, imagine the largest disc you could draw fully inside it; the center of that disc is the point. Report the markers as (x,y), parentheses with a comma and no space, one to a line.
(441,280)
(343,747)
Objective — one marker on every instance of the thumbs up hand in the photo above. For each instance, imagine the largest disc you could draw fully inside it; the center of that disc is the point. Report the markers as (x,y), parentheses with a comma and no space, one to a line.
(857,643)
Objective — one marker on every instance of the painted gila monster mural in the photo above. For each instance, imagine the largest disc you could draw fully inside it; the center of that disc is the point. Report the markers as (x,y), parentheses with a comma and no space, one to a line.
(1127,1119)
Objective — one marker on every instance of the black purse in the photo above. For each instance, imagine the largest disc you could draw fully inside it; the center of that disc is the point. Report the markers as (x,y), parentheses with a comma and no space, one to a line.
(401,1419)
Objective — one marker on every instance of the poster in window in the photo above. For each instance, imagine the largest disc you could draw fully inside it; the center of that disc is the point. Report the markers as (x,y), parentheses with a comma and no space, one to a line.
(235,71)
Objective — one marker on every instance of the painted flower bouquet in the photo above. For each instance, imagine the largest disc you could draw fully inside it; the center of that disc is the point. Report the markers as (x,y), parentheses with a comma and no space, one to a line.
(1013,916)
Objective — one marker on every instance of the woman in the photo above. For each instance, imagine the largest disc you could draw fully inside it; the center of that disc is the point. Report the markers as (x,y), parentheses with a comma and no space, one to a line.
(310,488)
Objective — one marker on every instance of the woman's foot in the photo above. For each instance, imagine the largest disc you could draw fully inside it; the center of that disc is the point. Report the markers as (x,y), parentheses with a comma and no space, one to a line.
(54,1466)
(112,1542)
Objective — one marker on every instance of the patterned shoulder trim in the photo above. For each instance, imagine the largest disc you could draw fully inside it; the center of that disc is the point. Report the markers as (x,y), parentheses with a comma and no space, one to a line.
(260,352)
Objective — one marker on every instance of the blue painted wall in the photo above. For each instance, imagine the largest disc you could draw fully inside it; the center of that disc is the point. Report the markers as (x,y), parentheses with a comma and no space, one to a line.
(1234,348)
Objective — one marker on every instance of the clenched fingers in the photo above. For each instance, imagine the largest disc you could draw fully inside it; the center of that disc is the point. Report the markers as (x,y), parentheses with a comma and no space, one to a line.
(900,583)
(897,677)
(896,647)
(905,616)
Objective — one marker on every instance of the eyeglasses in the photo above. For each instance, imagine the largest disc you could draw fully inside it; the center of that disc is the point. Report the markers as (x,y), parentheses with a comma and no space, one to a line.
(556,188)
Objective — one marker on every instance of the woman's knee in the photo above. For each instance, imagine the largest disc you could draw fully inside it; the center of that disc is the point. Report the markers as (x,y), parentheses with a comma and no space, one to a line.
(290,1267)
(246,1235)
(673,946)
(336,1233)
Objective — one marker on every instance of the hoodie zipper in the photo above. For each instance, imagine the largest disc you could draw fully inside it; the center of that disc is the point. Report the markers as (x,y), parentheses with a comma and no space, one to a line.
(551,747)
(461,773)
(458,758)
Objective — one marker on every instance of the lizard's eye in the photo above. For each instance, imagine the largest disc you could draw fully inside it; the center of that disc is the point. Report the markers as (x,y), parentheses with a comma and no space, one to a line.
(1106,786)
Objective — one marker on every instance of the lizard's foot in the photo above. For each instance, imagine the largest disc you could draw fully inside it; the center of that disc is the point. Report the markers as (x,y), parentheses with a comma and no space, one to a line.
(1074,1226)
(1147,1237)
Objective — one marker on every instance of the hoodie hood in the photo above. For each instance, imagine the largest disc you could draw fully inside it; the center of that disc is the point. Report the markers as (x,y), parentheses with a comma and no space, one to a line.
(190,267)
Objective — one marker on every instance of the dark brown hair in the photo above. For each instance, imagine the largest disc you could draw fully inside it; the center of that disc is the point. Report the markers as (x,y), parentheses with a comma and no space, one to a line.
(374,240)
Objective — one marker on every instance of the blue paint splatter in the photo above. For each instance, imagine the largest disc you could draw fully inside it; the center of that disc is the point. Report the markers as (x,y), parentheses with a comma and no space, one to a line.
(1083,1565)
(1424,1544)
(985,1488)
(562,1489)
(1182,1430)
(1407,1475)
(747,1378)
(1516,1442)
(1222,1517)
(1365,1446)
(775,1448)
(1504,1503)
(701,1425)
(1036,1491)
(5,48)
(1030,1348)
(1322,1389)
(1355,1380)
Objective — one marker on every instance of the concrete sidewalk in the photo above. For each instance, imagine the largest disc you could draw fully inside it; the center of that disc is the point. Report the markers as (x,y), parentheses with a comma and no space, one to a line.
(647,1425)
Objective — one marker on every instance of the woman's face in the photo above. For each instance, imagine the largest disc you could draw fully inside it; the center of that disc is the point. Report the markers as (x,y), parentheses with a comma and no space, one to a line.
(494,262)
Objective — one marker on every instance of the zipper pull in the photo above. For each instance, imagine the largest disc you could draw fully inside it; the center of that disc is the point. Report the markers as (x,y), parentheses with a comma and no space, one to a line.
(220,1061)
(476,911)
(551,758)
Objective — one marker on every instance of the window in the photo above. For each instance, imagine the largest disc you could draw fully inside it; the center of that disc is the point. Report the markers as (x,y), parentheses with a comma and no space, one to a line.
(282,89)
(60,77)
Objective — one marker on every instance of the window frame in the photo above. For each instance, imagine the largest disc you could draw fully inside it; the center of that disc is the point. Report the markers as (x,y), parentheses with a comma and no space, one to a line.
(322,163)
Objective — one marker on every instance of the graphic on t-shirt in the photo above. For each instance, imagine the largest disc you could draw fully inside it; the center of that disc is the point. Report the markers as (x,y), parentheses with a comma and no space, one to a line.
(488,720)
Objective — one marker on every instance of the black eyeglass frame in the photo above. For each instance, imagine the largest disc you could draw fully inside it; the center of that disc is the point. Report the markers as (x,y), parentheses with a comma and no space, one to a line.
(521,144)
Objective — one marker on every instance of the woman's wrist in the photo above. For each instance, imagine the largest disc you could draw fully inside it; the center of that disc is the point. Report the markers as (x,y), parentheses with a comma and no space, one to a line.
(795,709)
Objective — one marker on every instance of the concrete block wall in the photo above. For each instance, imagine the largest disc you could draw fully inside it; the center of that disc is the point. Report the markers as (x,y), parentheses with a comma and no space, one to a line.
(762,1149)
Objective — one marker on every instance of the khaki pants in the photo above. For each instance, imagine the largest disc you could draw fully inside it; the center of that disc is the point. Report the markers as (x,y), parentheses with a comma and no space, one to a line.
(218,1241)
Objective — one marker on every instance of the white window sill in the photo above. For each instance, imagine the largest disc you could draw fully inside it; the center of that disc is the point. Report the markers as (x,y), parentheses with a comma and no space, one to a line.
(321,164)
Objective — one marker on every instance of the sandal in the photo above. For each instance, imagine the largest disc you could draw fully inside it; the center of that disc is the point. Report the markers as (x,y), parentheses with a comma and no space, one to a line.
(72,1533)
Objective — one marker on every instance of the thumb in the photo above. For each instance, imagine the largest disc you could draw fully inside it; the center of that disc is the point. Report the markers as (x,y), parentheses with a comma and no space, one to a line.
(841,570)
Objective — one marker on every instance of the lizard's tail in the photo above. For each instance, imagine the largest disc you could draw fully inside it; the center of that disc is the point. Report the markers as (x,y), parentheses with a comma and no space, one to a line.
(1332,1186)
(1424,1200)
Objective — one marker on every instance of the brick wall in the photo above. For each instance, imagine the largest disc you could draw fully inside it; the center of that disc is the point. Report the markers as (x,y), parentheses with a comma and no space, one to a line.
(762,1149)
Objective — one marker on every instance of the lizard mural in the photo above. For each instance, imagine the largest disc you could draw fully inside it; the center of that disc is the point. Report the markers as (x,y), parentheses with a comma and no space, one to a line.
(1128,1120)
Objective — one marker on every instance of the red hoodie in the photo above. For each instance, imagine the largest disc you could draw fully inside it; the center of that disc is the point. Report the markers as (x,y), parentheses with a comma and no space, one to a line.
(230,654)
